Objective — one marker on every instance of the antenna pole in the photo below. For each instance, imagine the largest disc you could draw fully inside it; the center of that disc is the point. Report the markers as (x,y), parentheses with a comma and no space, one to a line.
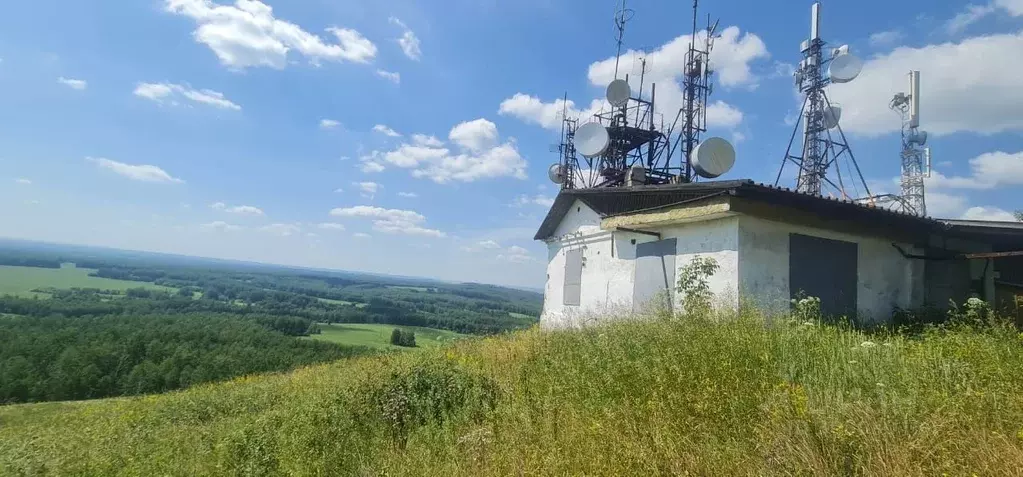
(696,88)
(620,26)
(914,154)
(819,150)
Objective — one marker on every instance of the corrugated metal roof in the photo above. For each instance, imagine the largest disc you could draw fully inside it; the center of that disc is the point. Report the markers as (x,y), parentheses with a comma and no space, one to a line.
(624,200)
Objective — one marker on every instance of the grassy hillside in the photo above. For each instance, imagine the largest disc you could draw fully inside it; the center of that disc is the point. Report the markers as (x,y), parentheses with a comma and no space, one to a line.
(21,281)
(379,336)
(651,398)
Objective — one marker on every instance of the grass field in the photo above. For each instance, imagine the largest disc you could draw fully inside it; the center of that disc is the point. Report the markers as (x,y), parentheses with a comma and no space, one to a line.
(685,396)
(379,336)
(22,280)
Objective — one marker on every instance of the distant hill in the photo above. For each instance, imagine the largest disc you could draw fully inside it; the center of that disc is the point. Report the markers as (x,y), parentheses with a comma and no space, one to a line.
(132,256)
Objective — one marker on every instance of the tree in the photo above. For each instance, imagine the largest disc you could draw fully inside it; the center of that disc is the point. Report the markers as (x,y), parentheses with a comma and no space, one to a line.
(404,338)
(1019,215)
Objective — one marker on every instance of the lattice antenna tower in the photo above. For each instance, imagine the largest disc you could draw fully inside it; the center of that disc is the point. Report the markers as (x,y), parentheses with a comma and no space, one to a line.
(820,154)
(617,152)
(696,87)
(916,159)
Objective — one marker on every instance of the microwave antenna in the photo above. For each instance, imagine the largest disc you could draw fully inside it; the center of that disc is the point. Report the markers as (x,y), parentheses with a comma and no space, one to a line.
(823,149)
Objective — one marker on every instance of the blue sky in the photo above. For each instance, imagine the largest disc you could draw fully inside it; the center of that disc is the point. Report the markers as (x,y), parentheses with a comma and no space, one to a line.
(413,137)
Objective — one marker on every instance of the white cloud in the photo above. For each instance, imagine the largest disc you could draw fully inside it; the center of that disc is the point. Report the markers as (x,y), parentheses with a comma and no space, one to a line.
(391,221)
(371,167)
(329,123)
(539,199)
(339,190)
(988,213)
(369,189)
(362,235)
(944,205)
(221,226)
(425,140)
(533,110)
(409,42)
(379,213)
(515,254)
(733,55)
(410,195)
(723,115)
(172,94)
(962,88)
(390,76)
(73,83)
(987,171)
(482,245)
(475,135)
(331,226)
(885,38)
(142,172)
(237,209)
(386,131)
(284,230)
(971,15)
(22,180)
(248,35)
(479,157)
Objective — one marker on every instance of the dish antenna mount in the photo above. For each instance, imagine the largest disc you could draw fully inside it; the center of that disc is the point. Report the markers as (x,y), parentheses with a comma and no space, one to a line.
(625,146)
(821,154)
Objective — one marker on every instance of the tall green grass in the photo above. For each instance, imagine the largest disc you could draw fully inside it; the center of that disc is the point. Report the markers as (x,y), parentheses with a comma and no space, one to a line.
(723,396)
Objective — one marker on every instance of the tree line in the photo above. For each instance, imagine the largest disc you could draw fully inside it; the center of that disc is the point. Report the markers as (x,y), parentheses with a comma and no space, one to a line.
(64,358)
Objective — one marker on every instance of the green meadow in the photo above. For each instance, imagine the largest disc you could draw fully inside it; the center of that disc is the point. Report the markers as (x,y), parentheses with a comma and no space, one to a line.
(21,281)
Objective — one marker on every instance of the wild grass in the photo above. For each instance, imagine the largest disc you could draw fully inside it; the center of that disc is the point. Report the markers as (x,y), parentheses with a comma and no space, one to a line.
(669,396)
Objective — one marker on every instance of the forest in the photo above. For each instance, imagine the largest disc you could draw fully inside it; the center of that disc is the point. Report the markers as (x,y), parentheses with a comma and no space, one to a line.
(214,320)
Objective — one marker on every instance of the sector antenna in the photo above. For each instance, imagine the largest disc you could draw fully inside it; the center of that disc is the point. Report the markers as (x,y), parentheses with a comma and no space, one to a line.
(822,157)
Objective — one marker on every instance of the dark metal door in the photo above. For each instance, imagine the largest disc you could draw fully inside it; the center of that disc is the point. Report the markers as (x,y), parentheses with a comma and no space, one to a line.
(826,269)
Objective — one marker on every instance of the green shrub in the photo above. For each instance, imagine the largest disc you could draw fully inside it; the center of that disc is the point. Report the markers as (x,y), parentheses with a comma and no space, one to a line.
(429,394)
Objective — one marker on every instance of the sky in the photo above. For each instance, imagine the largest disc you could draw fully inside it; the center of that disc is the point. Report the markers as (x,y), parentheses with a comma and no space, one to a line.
(414,138)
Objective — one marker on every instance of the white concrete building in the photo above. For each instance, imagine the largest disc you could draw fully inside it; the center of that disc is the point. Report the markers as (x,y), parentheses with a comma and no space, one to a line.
(612,251)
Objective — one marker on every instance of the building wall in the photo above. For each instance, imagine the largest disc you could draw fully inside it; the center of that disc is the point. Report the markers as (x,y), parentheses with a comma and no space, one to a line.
(885,279)
(753,258)
(717,239)
(606,288)
(609,264)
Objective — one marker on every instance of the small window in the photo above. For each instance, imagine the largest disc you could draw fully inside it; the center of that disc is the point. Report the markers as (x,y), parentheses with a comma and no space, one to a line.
(634,241)
(578,209)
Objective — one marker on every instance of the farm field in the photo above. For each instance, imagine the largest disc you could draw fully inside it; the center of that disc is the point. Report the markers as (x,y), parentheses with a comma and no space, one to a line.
(378,336)
(20,281)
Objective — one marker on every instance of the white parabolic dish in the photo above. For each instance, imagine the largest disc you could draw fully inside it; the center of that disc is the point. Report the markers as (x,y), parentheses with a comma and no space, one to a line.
(713,157)
(844,68)
(831,116)
(556,173)
(618,93)
(591,139)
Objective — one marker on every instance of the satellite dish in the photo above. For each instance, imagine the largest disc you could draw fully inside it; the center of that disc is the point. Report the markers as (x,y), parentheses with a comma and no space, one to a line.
(831,115)
(618,93)
(591,139)
(713,157)
(556,173)
(845,68)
